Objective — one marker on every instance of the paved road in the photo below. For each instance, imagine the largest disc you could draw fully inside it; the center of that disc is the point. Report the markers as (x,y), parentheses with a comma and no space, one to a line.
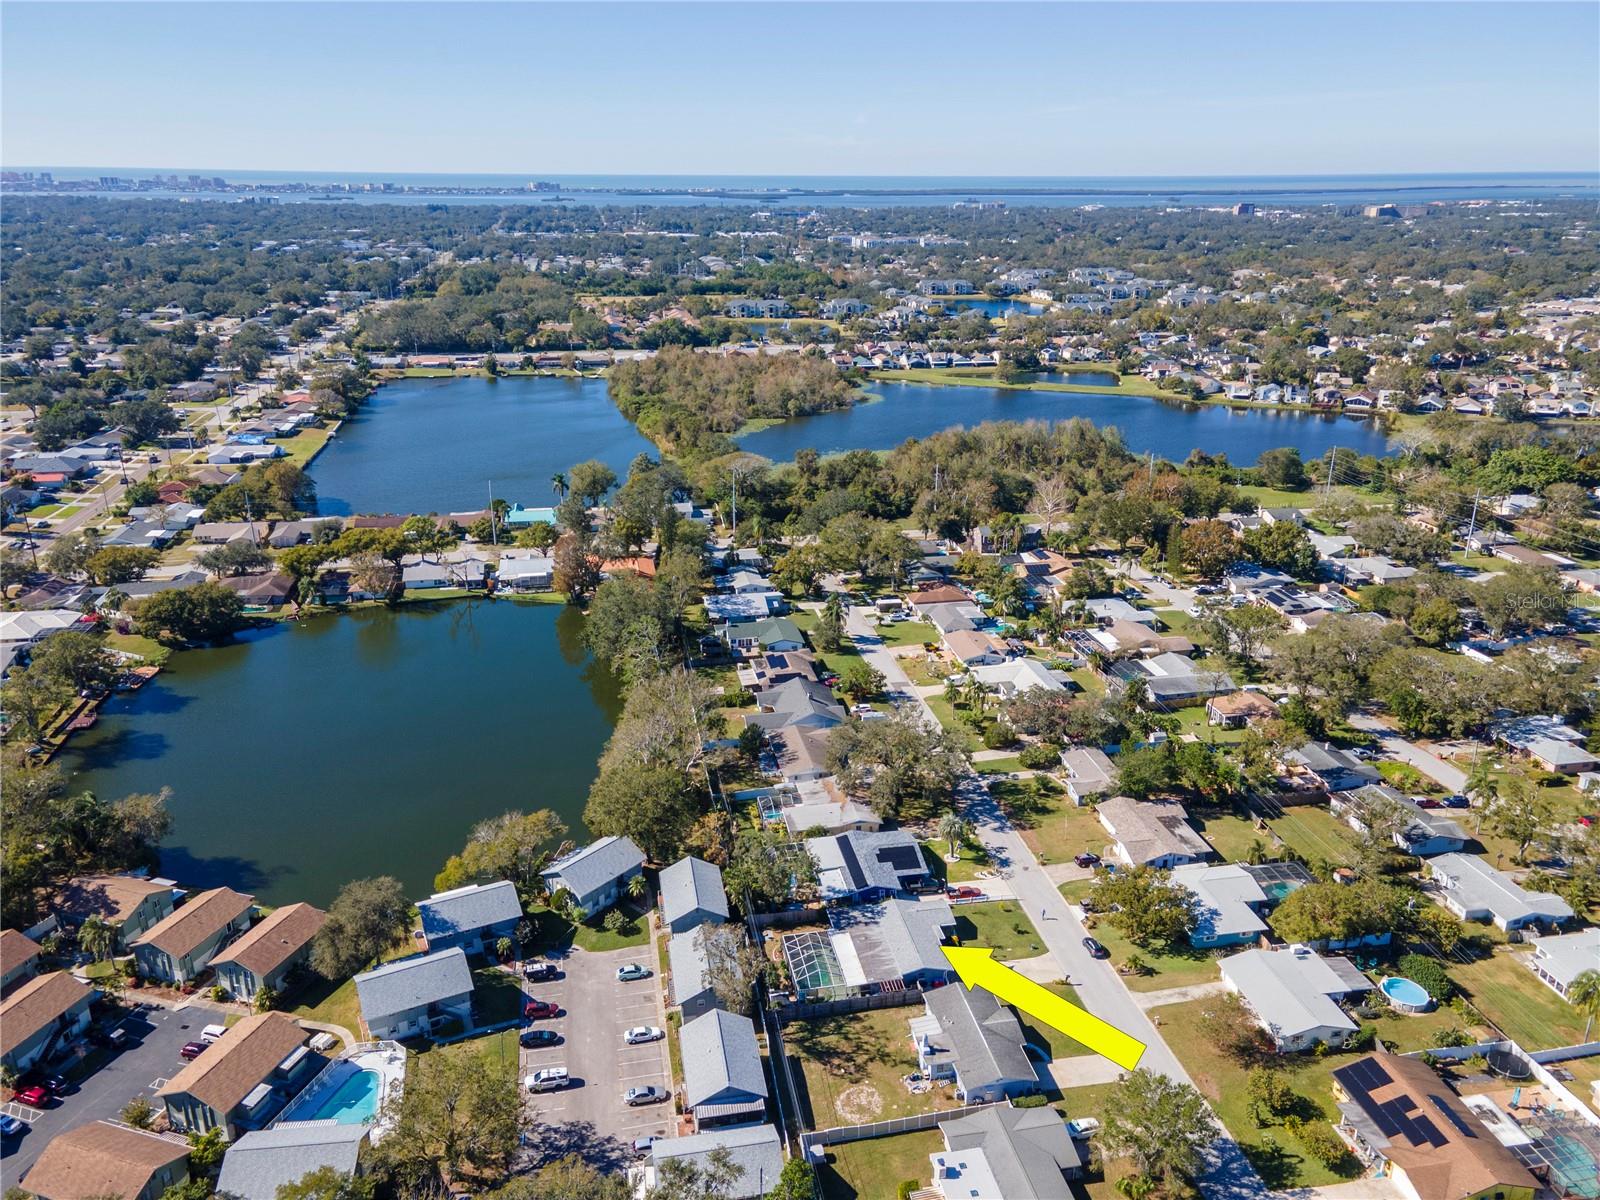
(1099,987)
(1447,776)
(589,1117)
(158,1034)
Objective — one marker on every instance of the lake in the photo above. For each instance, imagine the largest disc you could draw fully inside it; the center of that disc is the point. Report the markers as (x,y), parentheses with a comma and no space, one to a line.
(357,744)
(994,309)
(435,445)
(1169,428)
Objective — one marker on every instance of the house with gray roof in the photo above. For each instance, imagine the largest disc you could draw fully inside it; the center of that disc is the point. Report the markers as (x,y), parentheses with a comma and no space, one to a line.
(413,996)
(796,702)
(770,634)
(596,874)
(1417,830)
(967,1035)
(1330,768)
(692,894)
(1229,903)
(1469,887)
(755,1151)
(1174,679)
(1001,1151)
(1152,833)
(893,941)
(473,917)
(1294,994)
(262,1161)
(723,1081)
(691,976)
(858,867)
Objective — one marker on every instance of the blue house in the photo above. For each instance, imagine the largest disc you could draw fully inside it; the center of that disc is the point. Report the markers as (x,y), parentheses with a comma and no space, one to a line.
(596,874)
(473,918)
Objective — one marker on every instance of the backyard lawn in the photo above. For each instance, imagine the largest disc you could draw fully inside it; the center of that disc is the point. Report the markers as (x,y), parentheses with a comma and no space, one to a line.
(1231,834)
(552,931)
(875,1169)
(1280,1157)
(1315,833)
(1002,925)
(853,1063)
(1511,996)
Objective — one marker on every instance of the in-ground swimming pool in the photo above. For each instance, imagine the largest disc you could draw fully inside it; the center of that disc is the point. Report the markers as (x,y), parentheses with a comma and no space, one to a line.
(353,1102)
(1406,995)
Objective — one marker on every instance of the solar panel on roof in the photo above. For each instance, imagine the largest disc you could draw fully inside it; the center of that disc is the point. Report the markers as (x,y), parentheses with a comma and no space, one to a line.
(901,858)
(1384,1117)
(1428,1131)
(1452,1116)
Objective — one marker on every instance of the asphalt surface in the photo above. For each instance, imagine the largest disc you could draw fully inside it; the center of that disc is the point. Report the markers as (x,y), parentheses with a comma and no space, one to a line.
(157,1035)
(588,1117)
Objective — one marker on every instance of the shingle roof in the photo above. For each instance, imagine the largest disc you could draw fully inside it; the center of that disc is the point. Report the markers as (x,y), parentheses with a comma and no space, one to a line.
(16,948)
(413,982)
(755,1150)
(1149,829)
(188,926)
(35,1004)
(690,884)
(894,939)
(1226,894)
(591,867)
(109,897)
(686,955)
(465,909)
(259,1163)
(983,1035)
(720,1056)
(238,1061)
(1027,1151)
(1477,886)
(101,1159)
(858,860)
(271,943)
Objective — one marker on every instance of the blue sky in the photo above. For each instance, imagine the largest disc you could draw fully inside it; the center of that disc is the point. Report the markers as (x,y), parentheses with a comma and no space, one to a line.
(789,88)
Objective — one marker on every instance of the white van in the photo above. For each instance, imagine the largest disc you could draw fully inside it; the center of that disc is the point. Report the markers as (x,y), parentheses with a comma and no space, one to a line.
(212,1032)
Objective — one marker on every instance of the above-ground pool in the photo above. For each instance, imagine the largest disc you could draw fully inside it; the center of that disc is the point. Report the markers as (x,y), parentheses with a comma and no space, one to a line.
(1406,995)
(354,1101)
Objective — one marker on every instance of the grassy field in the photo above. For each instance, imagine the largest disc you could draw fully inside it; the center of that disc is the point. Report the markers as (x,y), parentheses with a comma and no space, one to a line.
(1511,996)
(1002,925)
(948,717)
(1053,826)
(1315,833)
(998,766)
(1163,969)
(1231,834)
(304,446)
(874,1170)
(551,931)
(1129,385)
(1223,1082)
(907,633)
(148,649)
(853,1063)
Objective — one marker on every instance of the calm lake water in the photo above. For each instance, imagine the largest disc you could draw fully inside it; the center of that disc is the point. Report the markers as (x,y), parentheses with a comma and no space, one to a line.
(1170,429)
(360,744)
(435,445)
(993,308)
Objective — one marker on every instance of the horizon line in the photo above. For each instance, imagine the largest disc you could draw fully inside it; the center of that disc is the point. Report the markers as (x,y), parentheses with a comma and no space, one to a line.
(1593,172)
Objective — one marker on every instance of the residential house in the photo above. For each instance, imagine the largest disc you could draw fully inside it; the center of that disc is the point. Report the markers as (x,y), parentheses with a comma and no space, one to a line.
(1235,710)
(19,958)
(1152,833)
(1230,904)
(128,903)
(474,917)
(220,533)
(801,752)
(1294,994)
(1174,679)
(596,875)
(972,648)
(888,946)
(752,307)
(183,943)
(1417,830)
(691,976)
(1561,959)
(264,1160)
(260,592)
(269,954)
(467,573)
(802,702)
(526,572)
(1006,1153)
(1106,609)
(243,1079)
(411,997)
(1324,767)
(1548,741)
(107,1160)
(1469,887)
(42,1017)
(723,1083)
(767,634)
(860,867)
(755,1152)
(820,804)
(967,1035)
(692,894)
(1089,773)
(962,616)
(1398,1112)
(1015,676)
(764,671)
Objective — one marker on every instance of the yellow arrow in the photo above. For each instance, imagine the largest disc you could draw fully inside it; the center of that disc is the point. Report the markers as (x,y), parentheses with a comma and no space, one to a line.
(976,967)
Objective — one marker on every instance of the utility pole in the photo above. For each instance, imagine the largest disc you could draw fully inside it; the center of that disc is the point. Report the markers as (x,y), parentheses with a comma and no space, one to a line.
(494,533)
(1472,524)
(1333,459)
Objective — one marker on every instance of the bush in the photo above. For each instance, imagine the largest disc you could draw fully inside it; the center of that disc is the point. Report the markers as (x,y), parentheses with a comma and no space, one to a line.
(1036,1100)
(1324,1144)
(1452,1037)
(738,698)
(1363,1039)
(907,1186)
(1038,758)
(614,921)
(1428,974)
(998,737)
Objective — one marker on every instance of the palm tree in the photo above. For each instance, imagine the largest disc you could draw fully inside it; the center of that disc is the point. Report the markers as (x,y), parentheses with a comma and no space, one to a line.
(558,483)
(96,937)
(1584,995)
(954,830)
(638,887)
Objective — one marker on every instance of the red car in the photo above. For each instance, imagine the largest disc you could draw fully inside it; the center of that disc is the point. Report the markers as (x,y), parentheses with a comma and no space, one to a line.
(535,1009)
(34,1096)
(964,892)
(192,1051)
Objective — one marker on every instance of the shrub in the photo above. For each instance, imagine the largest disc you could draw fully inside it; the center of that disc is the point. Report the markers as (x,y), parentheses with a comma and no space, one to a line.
(1363,1039)
(1036,1100)
(998,737)
(1426,973)
(1038,758)
(139,1113)
(738,698)
(907,1186)
(614,921)
(1324,1144)
(1452,1036)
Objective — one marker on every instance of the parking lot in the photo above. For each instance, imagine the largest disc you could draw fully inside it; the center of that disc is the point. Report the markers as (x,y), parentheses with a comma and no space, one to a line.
(596,1011)
(156,1034)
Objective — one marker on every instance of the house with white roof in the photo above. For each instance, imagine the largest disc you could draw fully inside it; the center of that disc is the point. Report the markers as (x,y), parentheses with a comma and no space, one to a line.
(1560,959)
(1229,903)
(1294,994)
(1017,675)
(1089,773)
(894,942)
(1469,887)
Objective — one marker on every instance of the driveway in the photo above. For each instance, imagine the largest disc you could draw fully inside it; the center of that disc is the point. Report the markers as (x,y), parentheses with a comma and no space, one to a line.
(157,1034)
(589,1117)
(1447,776)
(1100,990)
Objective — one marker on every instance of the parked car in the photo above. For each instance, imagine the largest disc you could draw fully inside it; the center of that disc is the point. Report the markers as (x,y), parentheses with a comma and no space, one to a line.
(540,972)
(34,1096)
(551,1079)
(538,1010)
(1083,1127)
(632,971)
(642,1033)
(1086,859)
(192,1051)
(964,891)
(643,1095)
(1429,802)
(11,1125)
(1456,800)
(1095,949)
(532,1039)
(641,1145)
(115,1038)
(56,1085)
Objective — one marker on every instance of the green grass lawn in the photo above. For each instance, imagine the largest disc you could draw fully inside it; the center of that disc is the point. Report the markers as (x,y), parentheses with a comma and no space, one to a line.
(1169,968)
(1509,994)
(916,667)
(948,717)
(152,651)
(1231,834)
(974,858)
(1223,1082)
(1403,1034)
(1053,826)
(875,1169)
(1001,925)
(551,931)
(852,1065)
(907,633)
(1038,1033)
(1315,833)
(334,1003)
(304,446)
(1193,719)
(998,766)
(1267,497)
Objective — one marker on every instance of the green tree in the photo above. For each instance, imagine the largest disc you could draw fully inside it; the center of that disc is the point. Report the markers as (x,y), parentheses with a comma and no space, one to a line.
(206,1151)
(1162,1125)
(829,633)
(232,558)
(1146,905)
(1271,1097)
(366,919)
(903,769)
(328,1183)
(515,846)
(1583,993)
(206,612)
(454,1120)
(120,564)
(97,938)
(860,681)
(77,661)
(1209,548)
(654,805)
(769,866)
(69,555)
